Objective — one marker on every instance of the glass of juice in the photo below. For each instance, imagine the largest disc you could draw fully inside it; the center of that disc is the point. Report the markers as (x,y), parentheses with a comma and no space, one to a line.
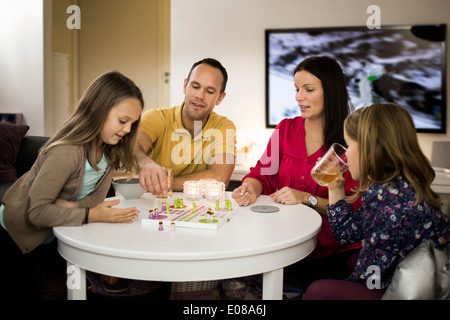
(331,165)
(169,176)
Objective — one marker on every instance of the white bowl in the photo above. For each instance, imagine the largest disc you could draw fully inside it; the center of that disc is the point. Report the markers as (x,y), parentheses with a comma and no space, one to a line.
(129,189)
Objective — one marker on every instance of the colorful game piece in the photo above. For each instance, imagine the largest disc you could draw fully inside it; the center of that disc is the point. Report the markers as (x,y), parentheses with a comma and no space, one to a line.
(160,228)
(178,204)
(167,209)
(150,213)
(163,206)
(210,213)
(194,207)
(228,205)
(156,212)
(217,205)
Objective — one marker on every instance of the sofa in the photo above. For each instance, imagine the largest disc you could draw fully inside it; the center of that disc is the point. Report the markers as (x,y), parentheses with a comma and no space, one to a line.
(18,152)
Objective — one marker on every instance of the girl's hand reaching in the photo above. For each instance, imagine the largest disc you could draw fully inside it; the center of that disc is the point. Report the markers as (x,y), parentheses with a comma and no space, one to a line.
(104,212)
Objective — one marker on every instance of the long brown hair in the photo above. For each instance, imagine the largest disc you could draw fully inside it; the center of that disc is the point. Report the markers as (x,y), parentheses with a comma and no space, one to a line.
(388,147)
(84,125)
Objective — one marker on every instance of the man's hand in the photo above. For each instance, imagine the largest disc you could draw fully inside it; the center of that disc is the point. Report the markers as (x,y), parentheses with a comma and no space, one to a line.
(153,179)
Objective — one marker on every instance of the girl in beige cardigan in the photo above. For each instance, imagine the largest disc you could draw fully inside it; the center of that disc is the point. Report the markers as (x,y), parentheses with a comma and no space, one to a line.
(68,182)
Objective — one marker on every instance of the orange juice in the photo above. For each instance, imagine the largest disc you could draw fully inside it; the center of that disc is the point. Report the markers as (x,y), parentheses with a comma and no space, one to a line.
(324,178)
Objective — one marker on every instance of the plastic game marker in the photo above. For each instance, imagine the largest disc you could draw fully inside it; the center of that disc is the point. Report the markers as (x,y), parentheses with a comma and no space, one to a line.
(264,209)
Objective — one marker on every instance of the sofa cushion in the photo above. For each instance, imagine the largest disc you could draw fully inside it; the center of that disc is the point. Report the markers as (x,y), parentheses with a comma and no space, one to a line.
(28,152)
(10,139)
(423,275)
(415,277)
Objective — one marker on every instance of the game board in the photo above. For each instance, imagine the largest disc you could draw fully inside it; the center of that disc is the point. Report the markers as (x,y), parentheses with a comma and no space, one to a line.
(176,216)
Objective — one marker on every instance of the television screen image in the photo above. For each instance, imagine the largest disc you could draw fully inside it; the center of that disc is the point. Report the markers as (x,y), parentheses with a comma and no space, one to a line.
(400,64)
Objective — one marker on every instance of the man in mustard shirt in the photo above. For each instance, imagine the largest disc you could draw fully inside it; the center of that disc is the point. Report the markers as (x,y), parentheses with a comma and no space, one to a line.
(191,138)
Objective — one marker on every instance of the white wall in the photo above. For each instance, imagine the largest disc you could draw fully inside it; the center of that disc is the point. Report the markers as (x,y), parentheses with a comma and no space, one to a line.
(233,32)
(22,61)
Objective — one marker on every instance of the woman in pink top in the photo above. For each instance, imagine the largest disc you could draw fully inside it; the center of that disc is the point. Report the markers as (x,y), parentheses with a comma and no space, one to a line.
(284,170)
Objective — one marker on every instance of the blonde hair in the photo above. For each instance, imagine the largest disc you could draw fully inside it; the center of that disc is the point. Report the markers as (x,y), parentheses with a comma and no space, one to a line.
(388,147)
(84,125)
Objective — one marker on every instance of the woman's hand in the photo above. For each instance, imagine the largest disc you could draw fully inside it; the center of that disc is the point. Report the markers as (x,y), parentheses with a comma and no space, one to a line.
(104,212)
(288,195)
(244,195)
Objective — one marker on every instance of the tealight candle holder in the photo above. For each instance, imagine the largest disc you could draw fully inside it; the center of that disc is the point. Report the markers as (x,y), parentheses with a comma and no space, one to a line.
(215,190)
(193,190)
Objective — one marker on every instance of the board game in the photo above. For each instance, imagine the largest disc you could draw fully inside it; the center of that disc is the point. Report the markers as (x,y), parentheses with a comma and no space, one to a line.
(200,214)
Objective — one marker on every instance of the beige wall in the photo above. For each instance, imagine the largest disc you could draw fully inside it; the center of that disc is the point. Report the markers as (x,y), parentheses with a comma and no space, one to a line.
(123,36)
(64,41)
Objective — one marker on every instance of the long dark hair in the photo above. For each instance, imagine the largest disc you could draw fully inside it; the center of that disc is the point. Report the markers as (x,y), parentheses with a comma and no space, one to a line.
(336,99)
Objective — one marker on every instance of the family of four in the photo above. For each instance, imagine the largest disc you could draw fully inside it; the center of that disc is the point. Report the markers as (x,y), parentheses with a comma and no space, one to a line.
(374,214)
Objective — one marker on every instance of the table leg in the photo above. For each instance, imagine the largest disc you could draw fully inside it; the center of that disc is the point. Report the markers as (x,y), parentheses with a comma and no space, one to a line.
(76,282)
(273,285)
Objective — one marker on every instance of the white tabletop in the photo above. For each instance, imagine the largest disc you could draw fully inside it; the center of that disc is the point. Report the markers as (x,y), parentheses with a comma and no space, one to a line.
(250,243)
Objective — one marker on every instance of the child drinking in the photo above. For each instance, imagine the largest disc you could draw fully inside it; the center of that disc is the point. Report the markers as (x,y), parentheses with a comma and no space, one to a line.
(399,210)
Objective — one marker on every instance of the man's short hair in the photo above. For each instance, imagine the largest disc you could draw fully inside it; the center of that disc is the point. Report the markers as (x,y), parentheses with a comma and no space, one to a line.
(215,64)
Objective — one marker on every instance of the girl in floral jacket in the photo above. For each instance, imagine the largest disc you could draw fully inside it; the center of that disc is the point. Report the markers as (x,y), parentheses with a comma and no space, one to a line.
(398,208)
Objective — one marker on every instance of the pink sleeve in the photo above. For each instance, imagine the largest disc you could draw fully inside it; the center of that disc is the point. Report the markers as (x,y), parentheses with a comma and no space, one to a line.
(266,169)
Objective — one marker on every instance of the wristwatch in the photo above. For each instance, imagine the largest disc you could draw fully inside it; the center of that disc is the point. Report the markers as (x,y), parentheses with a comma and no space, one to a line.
(312,201)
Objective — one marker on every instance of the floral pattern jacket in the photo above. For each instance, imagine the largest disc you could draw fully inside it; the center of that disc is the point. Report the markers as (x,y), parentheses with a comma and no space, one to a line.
(391,225)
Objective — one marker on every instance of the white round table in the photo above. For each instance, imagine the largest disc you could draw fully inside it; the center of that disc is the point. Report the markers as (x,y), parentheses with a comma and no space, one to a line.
(250,243)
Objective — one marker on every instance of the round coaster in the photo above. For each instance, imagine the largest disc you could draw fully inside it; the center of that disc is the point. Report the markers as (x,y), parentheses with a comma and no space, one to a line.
(264,209)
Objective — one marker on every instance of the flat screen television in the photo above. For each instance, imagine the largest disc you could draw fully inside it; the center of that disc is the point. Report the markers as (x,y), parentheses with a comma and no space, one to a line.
(404,64)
